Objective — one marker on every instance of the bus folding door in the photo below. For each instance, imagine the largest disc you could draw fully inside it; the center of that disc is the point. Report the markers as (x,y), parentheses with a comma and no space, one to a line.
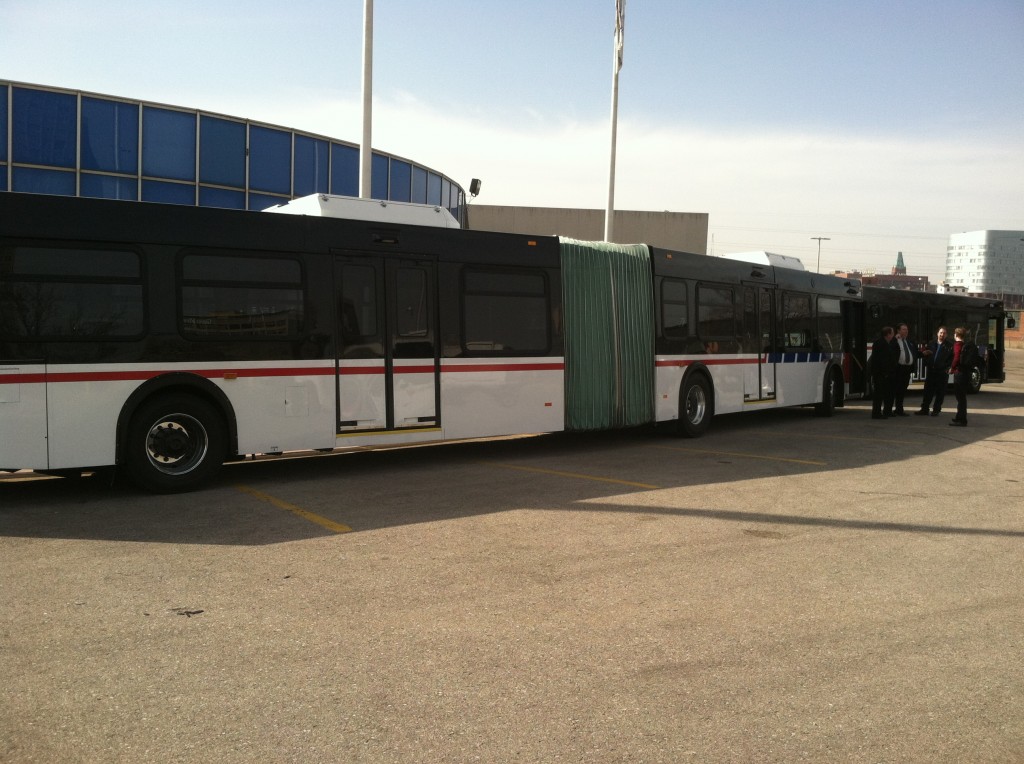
(387,343)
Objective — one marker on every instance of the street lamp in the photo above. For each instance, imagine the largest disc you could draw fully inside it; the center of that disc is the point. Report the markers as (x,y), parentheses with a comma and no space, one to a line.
(819,239)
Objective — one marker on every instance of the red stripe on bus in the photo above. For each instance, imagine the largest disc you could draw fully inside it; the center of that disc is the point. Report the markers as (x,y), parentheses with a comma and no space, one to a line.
(135,376)
(504,367)
(708,362)
(321,371)
(23,379)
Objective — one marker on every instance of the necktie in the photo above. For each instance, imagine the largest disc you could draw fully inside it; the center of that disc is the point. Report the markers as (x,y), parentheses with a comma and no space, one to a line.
(904,355)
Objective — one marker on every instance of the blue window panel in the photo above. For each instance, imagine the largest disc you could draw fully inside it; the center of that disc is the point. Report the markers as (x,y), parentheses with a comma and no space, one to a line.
(262,201)
(35,181)
(168,144)
(446,193)
(344,170)
(433,189)
(401,181)
(168,193)
(110,136)
(270,160)
(312,170)
(221,152)
(107,187)
(456,202)
(221,197)
(3,127)
(45,128)
(379,177)
(419,185)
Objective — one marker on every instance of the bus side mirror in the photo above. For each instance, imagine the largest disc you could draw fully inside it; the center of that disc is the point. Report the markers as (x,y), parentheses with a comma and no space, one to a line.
(1010,322)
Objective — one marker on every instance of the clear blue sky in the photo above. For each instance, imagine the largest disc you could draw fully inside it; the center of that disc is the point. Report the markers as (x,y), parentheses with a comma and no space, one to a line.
(884,126)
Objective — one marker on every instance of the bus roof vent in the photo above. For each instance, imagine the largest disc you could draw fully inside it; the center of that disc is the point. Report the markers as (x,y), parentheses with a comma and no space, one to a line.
(768,258)
(373,210)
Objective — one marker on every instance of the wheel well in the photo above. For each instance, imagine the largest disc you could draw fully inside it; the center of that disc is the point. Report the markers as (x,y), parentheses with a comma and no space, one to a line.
(699,370)
(177,382)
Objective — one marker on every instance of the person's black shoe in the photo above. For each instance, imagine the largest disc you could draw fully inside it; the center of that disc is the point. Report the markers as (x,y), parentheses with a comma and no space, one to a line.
(877,416)
(936,413)
(901,413)
(957,423)
(922,412)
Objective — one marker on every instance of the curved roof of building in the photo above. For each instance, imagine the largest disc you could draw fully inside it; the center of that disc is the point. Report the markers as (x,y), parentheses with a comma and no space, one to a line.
(61,141)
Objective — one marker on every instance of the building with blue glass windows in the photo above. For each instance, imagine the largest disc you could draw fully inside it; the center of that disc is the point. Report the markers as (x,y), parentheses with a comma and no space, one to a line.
(58,141)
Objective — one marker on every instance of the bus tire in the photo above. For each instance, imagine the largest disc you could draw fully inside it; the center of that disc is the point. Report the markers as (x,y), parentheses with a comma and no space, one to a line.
(174,443)
(831,391)
(974,381)
(696,406)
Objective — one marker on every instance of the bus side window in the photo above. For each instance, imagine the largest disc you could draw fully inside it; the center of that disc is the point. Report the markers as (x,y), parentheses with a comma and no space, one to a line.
(796,321)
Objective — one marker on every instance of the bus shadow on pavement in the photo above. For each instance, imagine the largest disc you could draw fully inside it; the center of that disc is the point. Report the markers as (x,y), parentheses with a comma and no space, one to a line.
(580,472)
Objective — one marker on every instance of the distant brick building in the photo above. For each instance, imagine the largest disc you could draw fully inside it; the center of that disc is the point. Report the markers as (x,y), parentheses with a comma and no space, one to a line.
(897,279)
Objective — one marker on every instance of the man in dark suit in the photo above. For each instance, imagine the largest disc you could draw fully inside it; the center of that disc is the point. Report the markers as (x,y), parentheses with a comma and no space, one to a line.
(937,359)
(906,360)
(883,365)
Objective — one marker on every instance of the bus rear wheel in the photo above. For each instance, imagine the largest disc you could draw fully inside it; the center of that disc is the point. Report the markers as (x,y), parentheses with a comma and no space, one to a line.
(696,406)
(174,443)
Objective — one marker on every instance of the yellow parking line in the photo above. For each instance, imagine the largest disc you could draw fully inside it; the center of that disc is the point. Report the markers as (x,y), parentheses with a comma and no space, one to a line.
(743,456)
(303,513)
(577,475)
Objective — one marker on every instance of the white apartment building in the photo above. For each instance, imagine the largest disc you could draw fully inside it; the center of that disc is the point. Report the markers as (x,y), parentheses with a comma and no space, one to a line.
(987,263)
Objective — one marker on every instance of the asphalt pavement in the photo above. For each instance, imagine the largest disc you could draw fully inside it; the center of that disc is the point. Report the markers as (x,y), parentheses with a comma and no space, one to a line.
(787,588)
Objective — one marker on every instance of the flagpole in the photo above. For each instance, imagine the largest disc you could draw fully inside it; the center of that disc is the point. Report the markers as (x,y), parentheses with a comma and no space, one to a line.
(366,148)
(620,28)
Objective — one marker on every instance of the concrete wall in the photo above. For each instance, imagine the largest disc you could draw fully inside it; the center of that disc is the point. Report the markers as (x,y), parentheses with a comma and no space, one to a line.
(682,231)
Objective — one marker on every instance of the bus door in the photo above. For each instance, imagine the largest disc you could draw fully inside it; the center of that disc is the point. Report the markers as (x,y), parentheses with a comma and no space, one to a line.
(388,372)
(855,345)
(996,338)
(759,338)
(23,414)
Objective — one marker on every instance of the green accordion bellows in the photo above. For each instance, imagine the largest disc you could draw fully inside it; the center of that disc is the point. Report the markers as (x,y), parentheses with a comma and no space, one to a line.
(609,336)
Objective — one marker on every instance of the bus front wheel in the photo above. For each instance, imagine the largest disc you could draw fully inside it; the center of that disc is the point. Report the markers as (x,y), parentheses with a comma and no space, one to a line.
(174,443)
(974,381)
(696,406)
(831,393)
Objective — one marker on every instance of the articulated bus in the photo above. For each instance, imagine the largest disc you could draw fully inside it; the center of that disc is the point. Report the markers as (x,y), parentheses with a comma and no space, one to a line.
(924,313)
(167,340)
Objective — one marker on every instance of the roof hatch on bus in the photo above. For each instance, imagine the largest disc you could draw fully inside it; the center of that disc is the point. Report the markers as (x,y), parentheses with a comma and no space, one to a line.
(373,210)
(768,258)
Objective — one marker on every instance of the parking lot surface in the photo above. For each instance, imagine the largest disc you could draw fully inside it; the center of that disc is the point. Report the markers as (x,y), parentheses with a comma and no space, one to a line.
(787,588)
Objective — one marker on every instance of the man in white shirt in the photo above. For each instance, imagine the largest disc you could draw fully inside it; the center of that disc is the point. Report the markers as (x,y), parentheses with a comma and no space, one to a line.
(906,359)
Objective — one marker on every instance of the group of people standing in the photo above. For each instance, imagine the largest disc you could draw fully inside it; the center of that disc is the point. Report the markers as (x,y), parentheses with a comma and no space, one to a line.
(893,358)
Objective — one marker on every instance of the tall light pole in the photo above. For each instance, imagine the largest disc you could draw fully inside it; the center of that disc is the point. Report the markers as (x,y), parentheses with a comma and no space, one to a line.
(366,147)
(819,239)
(620,32)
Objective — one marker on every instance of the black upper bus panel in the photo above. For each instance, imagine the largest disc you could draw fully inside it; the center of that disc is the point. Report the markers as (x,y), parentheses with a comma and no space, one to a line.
(674,264)
(81,219)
